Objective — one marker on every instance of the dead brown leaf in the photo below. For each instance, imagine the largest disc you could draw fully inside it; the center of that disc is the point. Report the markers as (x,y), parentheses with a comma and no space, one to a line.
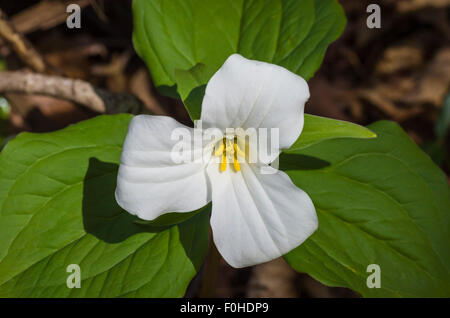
(399,58)
(274,279)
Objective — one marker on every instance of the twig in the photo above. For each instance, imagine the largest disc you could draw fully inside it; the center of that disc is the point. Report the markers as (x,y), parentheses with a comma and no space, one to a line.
(74,90)
(43,15)
(20,45)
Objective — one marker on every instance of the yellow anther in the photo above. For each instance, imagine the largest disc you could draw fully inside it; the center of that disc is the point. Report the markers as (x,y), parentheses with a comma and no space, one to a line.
(223,164)
(223,150)
(236,164)
(238,150)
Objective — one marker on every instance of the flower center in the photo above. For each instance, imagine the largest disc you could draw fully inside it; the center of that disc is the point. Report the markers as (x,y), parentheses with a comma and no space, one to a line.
(228,150)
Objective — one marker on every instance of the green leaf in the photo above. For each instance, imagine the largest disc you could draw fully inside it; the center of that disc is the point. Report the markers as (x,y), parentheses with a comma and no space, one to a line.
(57,208)
(317,129)
(380,201)
(176,35)
(191,89)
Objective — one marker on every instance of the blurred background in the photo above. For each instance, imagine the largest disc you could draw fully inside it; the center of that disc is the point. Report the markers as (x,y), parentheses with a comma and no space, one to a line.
(400,72)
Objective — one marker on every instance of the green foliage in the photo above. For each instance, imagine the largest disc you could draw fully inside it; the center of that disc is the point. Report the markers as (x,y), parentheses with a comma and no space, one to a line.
(57,208)
(317,129)
(178,37)
(379,201)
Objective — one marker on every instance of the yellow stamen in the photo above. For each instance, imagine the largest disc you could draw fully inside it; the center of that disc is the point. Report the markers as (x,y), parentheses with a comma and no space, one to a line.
(236,164)
(238,150)
(223,164)
(227,148)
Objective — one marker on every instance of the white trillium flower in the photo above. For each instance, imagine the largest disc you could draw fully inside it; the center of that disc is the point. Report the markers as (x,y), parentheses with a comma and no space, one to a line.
(255,216)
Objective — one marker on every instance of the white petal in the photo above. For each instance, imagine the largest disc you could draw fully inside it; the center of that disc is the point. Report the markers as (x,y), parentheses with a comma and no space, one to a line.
(149,182)
(252,94)
(258,217)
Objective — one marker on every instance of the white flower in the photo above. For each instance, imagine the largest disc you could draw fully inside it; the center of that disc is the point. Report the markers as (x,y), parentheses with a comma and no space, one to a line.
(255,217)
